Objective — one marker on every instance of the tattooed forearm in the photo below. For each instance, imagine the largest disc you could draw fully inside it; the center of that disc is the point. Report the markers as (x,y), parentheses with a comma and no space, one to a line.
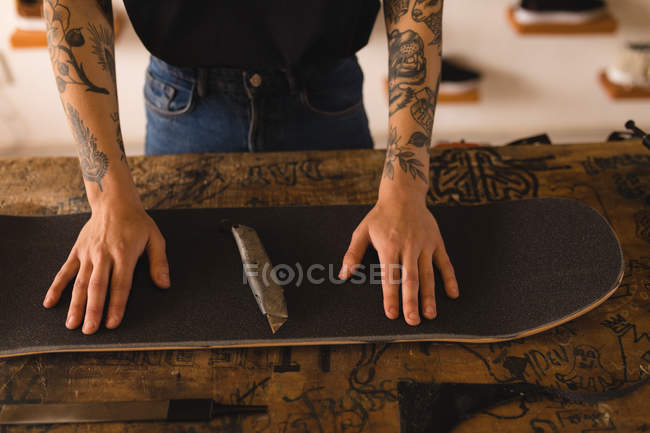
(94,163)
(407,67)
(62,39)
(115,117)
(402,156)
(103,48)
(413,71)
(430,13)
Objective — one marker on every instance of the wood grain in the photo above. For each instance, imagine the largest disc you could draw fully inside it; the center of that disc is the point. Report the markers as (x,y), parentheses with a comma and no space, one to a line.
(354,388)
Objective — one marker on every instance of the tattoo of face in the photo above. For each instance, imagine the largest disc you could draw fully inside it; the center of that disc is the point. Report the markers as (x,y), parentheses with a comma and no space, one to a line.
(62,39)
(107,9)
(396,154)
(94,162)
(395,9)
(118,133)
(102,39)
(407,66)
(430,13)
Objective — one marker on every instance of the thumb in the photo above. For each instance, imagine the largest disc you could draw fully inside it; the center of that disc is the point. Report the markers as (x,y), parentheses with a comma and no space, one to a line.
(356,250)
(158,266)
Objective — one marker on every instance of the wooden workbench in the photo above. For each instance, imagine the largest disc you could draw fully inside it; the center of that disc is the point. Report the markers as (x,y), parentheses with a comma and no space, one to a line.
(353,388)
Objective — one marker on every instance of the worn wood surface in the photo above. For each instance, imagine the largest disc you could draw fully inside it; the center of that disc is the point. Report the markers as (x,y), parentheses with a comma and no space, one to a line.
(353,388)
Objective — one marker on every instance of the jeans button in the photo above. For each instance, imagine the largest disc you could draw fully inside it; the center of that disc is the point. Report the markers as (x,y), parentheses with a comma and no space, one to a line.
(255,80)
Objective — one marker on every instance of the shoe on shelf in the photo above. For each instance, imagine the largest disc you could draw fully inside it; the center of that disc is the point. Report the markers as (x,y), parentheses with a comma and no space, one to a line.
(631,68)
(559,11)
(29,15)
(456,79)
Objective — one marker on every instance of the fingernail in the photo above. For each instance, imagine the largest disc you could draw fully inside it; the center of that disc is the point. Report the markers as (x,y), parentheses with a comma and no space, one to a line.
(46,301)
(392,312)
(164,278)
(431,312)
(112,322)
(68,322)
(414,316)
(88,327)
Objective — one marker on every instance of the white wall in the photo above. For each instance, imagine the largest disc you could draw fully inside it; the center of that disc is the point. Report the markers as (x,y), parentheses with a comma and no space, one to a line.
(532,84)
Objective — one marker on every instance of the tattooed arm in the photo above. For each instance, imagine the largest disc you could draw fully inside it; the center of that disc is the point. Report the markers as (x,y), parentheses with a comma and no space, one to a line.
(400,226)
(81,46)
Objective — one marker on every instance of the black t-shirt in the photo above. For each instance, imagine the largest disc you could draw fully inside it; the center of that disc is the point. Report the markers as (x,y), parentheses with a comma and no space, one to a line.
(262,34)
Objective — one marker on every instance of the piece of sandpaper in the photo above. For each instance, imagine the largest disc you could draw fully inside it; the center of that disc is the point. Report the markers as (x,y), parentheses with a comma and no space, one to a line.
(522,267)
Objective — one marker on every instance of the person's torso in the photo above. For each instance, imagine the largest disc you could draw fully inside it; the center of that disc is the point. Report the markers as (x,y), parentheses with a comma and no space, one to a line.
(252,33)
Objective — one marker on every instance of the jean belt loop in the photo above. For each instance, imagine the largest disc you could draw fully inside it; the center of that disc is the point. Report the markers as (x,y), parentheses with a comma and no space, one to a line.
(202,82)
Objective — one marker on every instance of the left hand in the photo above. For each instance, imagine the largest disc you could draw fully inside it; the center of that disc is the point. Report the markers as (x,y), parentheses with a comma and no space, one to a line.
(403,231)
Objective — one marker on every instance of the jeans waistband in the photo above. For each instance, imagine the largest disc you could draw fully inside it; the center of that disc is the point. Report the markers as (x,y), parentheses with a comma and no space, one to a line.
(240,81)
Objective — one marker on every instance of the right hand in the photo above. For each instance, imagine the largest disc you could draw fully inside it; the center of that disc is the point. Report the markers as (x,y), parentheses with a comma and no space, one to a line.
(108,248)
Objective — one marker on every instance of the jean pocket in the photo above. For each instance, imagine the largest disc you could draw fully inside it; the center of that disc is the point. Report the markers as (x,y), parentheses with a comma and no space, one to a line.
(168,97)
(330,103)
(334,92)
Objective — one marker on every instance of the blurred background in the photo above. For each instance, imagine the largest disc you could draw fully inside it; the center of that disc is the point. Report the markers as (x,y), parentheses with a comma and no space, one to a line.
(530,84)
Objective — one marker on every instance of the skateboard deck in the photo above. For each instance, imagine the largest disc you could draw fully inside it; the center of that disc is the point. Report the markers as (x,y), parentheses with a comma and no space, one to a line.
(522,267)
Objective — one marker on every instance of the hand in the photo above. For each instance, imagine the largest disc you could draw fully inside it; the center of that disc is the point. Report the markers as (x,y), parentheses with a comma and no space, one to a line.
(108,247)
(403,231)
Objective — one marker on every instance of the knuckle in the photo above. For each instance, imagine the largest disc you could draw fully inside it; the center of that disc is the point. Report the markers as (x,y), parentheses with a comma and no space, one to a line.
(96,286)
(97,251)
(118,292)
(93,311)
(390,252)
(394,236)
(410,281)
(76,306)
(80,284)
(347,258)
(161,264)
(428,299)
(60,276)
(121,248)
(427,273)
(161,240)
(410,305)
(117,307)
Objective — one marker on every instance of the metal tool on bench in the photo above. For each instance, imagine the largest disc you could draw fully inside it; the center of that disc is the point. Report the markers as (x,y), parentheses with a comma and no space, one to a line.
(639,133)
(155,410)
(268,294)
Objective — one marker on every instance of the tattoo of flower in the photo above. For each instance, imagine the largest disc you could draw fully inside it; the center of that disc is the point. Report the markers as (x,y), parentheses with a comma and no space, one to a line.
(61,39)
(396,154)
(94,163)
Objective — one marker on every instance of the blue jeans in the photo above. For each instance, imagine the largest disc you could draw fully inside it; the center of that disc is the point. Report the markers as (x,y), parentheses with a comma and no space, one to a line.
(192,110)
